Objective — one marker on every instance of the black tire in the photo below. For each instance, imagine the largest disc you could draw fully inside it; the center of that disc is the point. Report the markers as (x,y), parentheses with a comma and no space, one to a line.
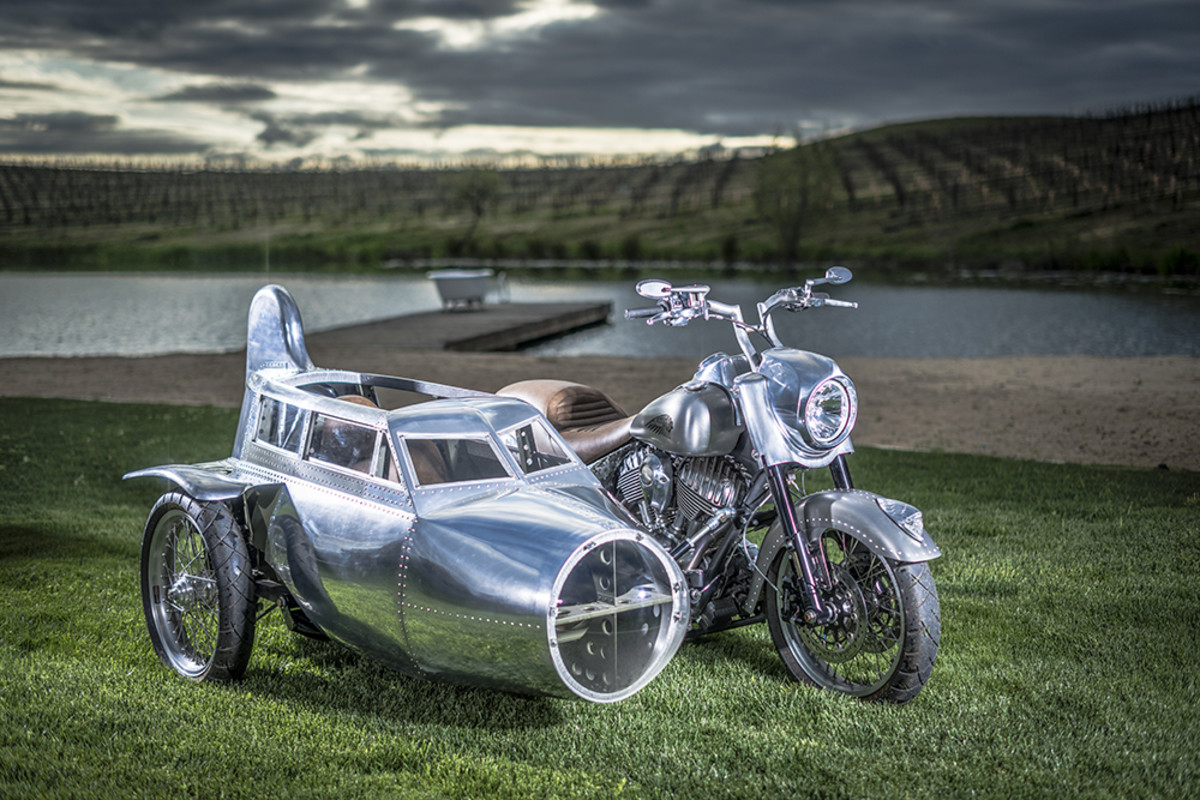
(885,641)
(198,588)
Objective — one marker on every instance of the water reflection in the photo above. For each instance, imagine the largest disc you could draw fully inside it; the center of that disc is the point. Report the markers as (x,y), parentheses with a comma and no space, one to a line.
(924,322)
(129,315)
(124,314)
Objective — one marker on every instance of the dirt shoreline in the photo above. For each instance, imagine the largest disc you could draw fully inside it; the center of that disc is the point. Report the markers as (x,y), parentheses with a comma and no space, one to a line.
(1139,412)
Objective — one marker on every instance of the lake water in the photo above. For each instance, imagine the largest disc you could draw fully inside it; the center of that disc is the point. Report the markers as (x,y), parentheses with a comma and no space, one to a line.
(138,314)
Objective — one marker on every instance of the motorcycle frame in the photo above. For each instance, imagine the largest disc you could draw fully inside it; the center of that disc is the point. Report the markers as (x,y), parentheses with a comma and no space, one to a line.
(811,563)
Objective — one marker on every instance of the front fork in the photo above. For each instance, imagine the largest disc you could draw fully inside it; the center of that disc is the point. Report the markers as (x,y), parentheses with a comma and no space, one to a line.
(810,563)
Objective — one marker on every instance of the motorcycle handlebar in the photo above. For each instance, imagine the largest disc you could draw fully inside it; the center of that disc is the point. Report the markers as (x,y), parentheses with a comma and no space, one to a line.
(642,313)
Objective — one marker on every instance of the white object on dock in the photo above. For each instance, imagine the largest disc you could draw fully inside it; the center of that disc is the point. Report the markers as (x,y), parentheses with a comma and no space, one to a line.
(461,289)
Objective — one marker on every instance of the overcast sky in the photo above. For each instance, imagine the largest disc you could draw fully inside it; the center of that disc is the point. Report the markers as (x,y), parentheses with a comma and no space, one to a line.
(397,79)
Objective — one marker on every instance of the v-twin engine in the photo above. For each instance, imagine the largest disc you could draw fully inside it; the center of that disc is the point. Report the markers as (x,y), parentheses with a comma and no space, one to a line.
(671,495)
(705,485)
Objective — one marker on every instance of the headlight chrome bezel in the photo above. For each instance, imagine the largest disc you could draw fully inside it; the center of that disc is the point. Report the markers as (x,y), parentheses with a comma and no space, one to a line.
(821,428)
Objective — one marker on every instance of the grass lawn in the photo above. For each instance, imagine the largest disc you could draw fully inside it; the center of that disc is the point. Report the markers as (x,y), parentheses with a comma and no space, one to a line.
(1071,633)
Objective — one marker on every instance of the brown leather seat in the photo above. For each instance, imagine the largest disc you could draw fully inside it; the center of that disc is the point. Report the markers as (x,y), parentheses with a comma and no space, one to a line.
(358,400)
(428,464)
(590,422)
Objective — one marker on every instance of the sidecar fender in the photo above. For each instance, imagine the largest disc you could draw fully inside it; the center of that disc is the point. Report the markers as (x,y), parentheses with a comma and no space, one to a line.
(205,482)
(889,528)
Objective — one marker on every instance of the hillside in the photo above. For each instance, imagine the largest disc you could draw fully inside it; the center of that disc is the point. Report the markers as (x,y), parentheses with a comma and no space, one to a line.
(1119,192)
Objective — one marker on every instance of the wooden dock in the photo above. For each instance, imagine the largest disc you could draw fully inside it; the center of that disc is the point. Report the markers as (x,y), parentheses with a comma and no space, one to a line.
(498,327)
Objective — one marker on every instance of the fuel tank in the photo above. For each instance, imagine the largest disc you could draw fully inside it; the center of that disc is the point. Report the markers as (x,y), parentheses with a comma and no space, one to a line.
(697,419)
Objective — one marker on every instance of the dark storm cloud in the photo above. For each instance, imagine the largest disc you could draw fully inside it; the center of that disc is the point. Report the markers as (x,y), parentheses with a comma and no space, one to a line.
(300,129)
(746,68)
(71,22)
(710,66)
(444,9)
(273,133)
(352,119)
(245,40)
(66,122)
(220,93)
(26,86)
(284,51)
(77,132)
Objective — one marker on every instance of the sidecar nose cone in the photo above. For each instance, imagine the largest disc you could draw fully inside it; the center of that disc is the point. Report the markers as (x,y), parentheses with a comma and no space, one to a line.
(621,613)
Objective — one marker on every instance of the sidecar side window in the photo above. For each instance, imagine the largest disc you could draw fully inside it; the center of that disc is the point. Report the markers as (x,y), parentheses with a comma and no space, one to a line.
(280,424)
(437,461)
(533,448)
(385,467)
(341,443)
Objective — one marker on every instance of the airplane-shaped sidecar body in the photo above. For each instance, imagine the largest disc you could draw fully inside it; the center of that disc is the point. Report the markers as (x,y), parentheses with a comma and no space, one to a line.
(456,538)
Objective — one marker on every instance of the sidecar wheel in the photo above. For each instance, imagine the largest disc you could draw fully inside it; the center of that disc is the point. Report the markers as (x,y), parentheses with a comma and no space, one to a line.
(197,588)
(884,642)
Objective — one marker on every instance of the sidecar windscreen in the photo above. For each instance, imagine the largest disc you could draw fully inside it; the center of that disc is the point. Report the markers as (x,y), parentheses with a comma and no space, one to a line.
(454,460)
(533,448)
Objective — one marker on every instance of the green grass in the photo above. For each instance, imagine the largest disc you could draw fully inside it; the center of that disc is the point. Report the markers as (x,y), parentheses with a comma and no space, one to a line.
(1071,632)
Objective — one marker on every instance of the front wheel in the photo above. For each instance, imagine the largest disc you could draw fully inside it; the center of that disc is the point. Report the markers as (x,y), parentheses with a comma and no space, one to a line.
(198,588)
(883,639)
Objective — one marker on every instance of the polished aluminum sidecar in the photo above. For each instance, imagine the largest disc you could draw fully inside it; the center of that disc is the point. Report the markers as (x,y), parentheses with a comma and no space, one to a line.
(456,538)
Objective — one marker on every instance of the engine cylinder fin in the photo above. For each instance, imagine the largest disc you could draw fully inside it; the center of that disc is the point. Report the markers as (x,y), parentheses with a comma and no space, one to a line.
(704,485)
(629,481)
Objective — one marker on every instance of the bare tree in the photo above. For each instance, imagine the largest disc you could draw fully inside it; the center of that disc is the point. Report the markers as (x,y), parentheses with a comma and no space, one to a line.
(793,187)
(477,189)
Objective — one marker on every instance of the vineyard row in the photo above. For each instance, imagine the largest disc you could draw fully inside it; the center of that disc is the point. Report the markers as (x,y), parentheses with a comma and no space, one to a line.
(947,169)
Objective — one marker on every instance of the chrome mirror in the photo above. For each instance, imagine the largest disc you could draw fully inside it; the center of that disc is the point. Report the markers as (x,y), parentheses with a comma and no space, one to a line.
(838,275)
(654,288)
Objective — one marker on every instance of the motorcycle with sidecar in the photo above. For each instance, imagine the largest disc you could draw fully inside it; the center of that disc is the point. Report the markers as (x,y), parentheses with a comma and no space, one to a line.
(538,539)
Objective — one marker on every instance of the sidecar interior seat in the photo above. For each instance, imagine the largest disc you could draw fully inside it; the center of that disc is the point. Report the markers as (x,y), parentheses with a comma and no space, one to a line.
(588,419)
(428,463)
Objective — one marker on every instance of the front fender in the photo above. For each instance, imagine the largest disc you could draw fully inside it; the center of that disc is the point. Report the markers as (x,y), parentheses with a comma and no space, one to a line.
(856,512)
(205,482)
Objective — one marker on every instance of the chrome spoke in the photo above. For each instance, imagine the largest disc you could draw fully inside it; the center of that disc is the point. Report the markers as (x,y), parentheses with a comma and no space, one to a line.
(861,648)
(187,612)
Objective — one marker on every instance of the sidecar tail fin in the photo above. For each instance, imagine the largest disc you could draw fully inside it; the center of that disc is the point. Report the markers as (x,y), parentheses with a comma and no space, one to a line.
(275,333)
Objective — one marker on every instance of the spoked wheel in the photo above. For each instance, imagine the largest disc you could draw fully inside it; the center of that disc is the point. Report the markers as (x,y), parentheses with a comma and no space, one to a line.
(883,639)
(198,588)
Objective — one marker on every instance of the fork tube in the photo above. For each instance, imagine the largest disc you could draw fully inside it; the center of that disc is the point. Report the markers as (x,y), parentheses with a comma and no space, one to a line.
(787,517)
(840,471)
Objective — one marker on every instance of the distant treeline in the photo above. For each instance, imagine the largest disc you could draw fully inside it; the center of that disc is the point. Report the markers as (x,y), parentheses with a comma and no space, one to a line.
(47,196)
(945,180)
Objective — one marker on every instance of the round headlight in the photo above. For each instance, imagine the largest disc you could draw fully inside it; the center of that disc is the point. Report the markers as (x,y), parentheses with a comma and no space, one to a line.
(829,412)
